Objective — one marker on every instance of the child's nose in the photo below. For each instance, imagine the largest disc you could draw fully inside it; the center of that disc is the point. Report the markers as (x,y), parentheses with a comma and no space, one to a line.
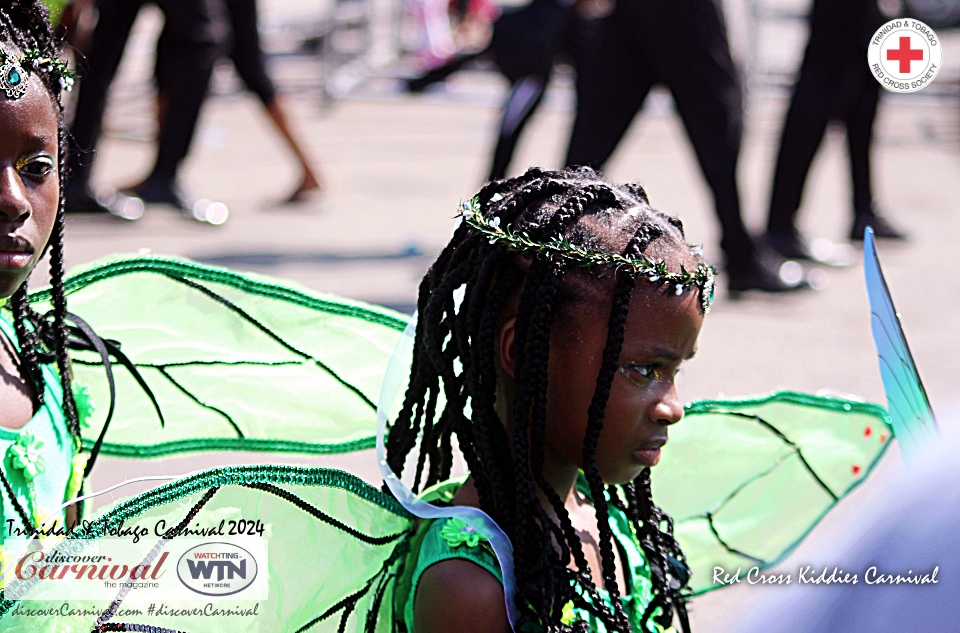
(667,409)
(13,198)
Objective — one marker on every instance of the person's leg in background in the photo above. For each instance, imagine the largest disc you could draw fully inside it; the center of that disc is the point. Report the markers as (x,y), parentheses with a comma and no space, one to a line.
(858,117)
(522,101)
(97,70)
(611,87)
(248,59)
(196,33)
(694,60)
(833,82)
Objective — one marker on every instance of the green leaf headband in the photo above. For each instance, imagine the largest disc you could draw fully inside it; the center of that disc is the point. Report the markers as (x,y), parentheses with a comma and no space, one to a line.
(561,248)
(13,71)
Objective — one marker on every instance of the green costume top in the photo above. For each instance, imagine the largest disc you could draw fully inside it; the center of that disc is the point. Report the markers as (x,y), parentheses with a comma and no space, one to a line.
(37,458)
(446,539)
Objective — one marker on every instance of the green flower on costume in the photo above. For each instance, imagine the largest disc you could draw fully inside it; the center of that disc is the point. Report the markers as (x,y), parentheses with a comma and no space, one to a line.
(85,404)
(27,454)
(568,616)
(456,532)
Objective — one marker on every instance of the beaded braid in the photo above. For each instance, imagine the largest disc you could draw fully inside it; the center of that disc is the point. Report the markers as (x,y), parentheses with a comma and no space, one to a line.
(455,356)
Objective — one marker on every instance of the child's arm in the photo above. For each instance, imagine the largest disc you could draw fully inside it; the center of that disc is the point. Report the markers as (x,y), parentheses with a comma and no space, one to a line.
(457,595)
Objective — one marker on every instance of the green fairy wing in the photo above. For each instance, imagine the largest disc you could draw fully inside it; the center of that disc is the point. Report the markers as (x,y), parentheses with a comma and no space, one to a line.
(746,480)
(333,546)
(235,361)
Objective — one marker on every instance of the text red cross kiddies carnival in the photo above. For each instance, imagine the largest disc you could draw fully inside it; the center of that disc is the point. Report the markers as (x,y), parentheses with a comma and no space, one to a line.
(905,54)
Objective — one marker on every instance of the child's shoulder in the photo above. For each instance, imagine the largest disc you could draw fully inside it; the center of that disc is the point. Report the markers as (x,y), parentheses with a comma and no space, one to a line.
(453,581)
(457,595)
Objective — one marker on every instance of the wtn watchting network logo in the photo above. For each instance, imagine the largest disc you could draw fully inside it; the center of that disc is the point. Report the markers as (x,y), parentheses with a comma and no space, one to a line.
(217,569)
(905,55)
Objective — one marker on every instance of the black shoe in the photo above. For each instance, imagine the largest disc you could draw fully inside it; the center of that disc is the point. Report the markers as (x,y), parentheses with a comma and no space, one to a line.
(153,191)
(158,192)
(789,245)
(792,245)
(882,229)
(765,278)
(104,202)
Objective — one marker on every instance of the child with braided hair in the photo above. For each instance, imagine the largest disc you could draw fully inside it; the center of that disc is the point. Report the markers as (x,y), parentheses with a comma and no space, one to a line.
(39,421)
(549,334)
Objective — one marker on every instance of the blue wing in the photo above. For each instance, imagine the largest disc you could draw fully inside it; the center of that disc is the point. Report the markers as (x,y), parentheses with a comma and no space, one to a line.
(913,422)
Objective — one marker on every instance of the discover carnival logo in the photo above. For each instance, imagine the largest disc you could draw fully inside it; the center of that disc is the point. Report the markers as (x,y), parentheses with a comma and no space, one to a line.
(905,55)
(217,569)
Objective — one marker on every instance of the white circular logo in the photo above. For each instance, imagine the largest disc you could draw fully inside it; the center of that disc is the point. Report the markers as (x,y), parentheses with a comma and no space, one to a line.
(905,55)
(217,569)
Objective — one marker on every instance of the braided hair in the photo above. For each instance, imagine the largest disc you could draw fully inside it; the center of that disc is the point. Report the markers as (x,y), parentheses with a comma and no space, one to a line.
(455,362)
(24,26)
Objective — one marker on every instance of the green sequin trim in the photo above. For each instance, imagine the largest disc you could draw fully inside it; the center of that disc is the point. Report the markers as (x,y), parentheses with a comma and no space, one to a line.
(183,268)
(793,397)
(231,444)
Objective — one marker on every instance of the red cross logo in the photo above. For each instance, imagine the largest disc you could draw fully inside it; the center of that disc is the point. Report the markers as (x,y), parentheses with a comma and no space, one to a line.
(905,55)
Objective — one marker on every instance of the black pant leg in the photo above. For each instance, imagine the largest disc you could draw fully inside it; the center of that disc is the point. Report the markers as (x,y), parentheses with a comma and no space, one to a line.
(858,118)
(97,70)
(612,83)
(689,40)
(803,131)
(522,101)
(834,51)
(196,32)
(246,52)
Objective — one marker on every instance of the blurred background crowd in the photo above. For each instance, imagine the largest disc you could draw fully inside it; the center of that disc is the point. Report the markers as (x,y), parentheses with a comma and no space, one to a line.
(330,141)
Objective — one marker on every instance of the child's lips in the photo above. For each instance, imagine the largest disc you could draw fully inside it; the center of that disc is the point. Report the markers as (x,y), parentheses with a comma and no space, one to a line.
(15,253)
(14,261)
(648,454)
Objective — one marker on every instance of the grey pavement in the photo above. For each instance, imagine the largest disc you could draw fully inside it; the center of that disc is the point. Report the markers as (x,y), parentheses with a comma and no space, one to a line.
(397,166)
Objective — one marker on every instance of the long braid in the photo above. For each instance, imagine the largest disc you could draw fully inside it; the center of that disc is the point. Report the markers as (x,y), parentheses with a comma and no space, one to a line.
(29,343)
(658,543)
(59,295)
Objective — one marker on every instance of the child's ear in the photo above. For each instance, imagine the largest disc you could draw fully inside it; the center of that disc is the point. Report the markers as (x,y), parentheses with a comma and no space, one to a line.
(507,347)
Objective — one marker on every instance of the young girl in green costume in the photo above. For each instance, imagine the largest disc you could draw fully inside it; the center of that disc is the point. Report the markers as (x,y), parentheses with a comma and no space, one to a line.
(551,329)
(39,429)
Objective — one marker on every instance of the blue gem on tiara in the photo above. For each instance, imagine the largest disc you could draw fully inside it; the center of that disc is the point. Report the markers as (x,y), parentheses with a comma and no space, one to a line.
(13,79)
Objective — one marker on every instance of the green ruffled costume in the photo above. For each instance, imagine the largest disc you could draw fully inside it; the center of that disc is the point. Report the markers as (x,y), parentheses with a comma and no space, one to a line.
(37,458)
(246,362)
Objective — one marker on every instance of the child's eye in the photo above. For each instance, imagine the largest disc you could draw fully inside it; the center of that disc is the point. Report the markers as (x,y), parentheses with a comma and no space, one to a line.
(642,374)
(36,167)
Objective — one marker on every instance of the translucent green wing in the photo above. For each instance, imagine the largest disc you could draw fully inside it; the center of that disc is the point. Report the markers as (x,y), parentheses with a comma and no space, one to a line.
(746,480)
(333,548)
(236,361)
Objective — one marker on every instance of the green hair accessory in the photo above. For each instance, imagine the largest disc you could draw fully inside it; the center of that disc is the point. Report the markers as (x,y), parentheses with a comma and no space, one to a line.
(562,248)
(13,71)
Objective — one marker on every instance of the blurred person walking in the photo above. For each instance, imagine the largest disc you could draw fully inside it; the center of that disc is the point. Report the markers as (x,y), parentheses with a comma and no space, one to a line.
(527,42)
(197,31)
(835,83)
(248,59)
(681,44)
